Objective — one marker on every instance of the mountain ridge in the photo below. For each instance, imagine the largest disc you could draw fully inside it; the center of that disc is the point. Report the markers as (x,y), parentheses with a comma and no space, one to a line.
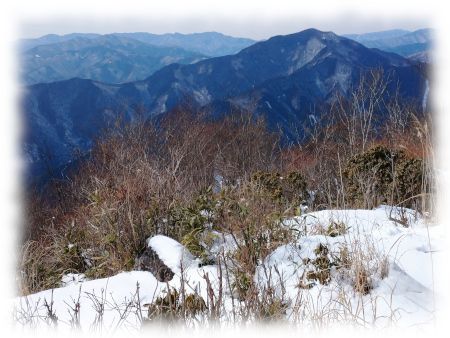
(282,77)
(220,44)
(107,58)
(402,42)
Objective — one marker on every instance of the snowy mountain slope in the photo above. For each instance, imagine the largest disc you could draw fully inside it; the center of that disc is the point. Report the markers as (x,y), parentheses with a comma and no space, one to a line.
(398,262)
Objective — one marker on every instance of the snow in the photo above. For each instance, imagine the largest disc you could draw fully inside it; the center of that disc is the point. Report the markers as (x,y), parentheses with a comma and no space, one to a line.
(404,295)
(425,95)
(112,292)
(120,295)
(73,279)
(172,253)
(312,119)
(218,183)
(409,247)
(202,96)
(223,243)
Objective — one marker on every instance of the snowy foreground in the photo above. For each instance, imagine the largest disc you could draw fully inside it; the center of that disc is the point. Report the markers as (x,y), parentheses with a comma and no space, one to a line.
(399,263)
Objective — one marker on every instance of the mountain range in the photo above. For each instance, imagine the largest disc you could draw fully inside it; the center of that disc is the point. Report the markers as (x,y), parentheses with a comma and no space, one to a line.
(119,57)
(283,78)
(414,45)
(211,44)
(108,58)
(206,43)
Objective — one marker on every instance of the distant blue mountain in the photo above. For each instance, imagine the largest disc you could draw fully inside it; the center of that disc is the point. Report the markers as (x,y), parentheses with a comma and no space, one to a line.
(106,58)
(415,45)
(208,43)
(284,78)
(26,44)
(119,57)
(373,36)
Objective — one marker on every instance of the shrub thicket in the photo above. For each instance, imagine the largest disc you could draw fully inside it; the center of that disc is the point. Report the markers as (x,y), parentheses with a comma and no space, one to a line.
(140,180)
(148,178)
(381,175)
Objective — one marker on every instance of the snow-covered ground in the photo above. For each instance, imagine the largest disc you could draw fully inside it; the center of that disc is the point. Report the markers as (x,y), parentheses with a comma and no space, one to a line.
(400,262)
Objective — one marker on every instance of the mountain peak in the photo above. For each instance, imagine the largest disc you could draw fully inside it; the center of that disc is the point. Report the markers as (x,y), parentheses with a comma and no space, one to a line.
(304,36)
(314,33)
(299,48)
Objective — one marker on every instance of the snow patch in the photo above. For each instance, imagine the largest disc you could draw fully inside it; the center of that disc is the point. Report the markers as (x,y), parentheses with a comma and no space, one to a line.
(404,296)
(171,252)
(73,279)
(425,95)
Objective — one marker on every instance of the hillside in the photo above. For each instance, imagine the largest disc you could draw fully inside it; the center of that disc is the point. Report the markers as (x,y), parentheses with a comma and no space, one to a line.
(107,58)
(284,78)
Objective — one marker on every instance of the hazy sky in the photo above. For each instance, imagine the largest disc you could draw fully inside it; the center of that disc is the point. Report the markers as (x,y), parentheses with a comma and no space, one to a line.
(255,19)
(255,28)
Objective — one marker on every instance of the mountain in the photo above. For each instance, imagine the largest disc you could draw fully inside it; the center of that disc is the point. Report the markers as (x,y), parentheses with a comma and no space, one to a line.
(208,43)
(283,78)
(373,36)
(26,44)
(394,38)
(415,45)
(107,58)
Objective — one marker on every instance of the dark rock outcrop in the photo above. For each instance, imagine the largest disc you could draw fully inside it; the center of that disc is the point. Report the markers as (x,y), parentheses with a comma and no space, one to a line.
(150,261)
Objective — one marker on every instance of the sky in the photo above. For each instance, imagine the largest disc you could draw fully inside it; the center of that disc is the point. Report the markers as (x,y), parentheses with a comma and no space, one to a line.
(252,27)
(236,18)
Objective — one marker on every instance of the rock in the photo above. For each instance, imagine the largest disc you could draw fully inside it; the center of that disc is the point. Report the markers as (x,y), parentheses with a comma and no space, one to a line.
(150,261)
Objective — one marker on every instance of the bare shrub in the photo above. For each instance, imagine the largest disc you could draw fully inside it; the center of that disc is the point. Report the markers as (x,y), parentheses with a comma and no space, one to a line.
(142,179)
(253,220)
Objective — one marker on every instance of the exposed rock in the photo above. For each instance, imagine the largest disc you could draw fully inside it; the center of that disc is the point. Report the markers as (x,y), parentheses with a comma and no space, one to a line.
(150,261)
